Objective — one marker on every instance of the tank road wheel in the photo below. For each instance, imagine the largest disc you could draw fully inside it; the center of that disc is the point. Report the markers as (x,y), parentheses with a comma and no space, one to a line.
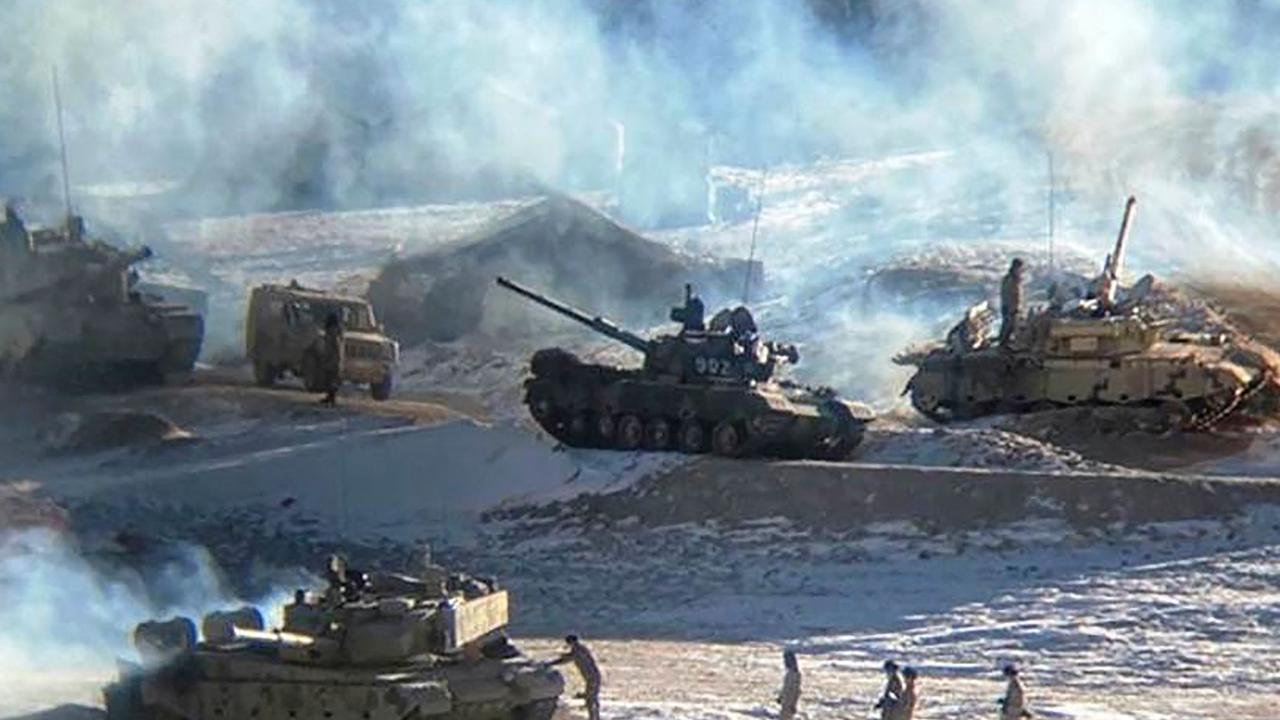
(630,433)
(264,373)
(540,710)
(657,434)
(606,429)
(541,409)
(727,439)
(692,437)
(581,429)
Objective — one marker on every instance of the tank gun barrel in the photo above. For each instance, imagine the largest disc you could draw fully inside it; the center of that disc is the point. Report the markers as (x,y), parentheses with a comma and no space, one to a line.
(270,638)
(597,323)
(1122,239)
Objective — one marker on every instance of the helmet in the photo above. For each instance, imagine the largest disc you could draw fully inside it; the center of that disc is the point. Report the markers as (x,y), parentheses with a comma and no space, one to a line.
(909,671)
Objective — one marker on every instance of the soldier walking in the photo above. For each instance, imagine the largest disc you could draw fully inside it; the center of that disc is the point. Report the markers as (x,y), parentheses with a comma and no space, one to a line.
(1010,300)
(331,363)
(1013,705)
(905,709)
(582,659)
(892,691)
(789,697)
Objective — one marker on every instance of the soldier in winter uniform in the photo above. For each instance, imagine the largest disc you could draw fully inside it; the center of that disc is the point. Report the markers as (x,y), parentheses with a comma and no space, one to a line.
(331,362)
(582,659)
(892,691)
(906,707)
(1013,705)
(789,697)
(1011,300)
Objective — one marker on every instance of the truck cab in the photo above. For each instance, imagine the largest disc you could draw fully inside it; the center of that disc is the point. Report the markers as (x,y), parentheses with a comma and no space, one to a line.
(284,333)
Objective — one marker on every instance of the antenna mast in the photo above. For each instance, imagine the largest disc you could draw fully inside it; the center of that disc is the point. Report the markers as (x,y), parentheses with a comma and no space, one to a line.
(1049,155)
(755,227)
(62,143)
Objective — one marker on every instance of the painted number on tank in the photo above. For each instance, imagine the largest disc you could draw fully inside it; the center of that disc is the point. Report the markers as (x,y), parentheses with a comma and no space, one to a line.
(712,366)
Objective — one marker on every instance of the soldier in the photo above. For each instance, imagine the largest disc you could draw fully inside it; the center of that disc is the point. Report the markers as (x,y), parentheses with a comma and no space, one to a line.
(331,363)
(1013,704)
(587,668)
(892,691)
(692,315)
(1010,300)
(906,707)
(13,231)
(789,697)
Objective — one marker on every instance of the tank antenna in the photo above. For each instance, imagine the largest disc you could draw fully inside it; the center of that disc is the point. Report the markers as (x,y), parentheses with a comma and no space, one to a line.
(62,144)
(1052,209)
(755,227)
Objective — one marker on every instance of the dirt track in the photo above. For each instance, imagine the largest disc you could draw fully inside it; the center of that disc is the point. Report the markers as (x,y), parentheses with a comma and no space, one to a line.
(842,497)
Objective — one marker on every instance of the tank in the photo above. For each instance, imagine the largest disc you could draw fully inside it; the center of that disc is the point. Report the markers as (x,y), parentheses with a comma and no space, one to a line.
(1098,347)
(709,387)
(369,645)
(70,311)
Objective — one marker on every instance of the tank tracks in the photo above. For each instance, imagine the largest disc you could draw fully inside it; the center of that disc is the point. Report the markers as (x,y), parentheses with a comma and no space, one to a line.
(1203,416)
(735,438)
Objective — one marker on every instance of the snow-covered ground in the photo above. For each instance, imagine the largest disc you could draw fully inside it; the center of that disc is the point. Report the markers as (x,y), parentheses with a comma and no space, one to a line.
(1146,622)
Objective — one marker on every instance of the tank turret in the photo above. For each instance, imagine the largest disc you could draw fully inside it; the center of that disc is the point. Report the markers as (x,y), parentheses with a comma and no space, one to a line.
(709,386)
(728,351)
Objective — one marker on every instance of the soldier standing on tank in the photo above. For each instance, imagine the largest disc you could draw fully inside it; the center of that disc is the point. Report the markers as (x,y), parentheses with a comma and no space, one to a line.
(585,662)
(789,697)
(1010,300)
(331,362)
(1013,706)
(892,694)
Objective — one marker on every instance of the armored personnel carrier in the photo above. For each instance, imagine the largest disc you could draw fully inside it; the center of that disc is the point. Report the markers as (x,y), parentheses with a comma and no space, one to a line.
(70,312)
(707,387)
(1101,348)
(369,646)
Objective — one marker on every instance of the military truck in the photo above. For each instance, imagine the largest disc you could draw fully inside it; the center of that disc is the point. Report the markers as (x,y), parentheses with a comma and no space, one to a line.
(1095,347)
(284,333)
(711,386)
(72,312)
(368,646)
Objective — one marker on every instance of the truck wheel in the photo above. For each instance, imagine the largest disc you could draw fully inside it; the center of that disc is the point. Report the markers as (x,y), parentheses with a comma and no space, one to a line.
(381,390)
(264,373)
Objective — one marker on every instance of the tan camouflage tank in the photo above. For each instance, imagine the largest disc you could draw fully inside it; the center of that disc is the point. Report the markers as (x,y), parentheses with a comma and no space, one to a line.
(1102,349)
(71,312)
(374,646)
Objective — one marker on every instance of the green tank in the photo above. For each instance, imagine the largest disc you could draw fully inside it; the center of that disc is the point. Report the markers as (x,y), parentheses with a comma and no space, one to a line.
(70,311)
(711,387)
(1099,349)
(375,646)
